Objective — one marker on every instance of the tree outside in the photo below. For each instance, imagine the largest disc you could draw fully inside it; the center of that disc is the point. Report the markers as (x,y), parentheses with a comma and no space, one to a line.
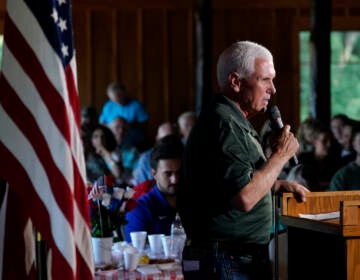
(345,74)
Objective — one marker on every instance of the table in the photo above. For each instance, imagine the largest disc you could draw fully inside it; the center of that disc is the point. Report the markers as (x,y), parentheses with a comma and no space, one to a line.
(173,274)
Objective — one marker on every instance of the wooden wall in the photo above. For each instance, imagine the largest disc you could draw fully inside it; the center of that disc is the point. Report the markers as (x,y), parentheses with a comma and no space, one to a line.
(276,24)
(149,46)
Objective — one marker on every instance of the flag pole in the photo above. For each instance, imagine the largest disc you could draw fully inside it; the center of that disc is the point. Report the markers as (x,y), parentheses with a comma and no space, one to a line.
(276,211)
(41,257)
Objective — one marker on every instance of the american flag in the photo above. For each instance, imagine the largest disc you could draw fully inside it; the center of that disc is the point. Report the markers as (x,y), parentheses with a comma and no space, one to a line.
(41,153)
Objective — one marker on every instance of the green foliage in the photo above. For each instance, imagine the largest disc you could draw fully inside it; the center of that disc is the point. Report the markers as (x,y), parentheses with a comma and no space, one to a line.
(345,74)
(305,81)
(105,221)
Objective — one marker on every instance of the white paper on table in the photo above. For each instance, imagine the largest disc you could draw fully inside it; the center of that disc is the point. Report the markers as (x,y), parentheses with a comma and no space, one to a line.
(167,266)
(148,269)
(322,216)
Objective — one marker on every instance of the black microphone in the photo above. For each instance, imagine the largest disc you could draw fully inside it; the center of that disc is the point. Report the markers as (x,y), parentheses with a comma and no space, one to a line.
(277,124)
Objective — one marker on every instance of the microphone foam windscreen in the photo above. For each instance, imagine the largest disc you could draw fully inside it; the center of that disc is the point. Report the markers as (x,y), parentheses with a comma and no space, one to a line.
(273,112)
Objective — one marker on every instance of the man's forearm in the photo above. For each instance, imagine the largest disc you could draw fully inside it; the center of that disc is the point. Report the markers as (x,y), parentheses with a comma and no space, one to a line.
(260,184)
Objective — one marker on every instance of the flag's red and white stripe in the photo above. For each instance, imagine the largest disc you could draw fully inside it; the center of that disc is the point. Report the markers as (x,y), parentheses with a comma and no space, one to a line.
(41,151)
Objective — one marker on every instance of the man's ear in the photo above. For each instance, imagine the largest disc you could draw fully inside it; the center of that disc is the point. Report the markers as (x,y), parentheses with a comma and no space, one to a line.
(153,172)
(234,81)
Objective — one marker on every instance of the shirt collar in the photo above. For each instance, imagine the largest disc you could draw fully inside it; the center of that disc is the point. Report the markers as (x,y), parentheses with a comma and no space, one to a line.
(237,116)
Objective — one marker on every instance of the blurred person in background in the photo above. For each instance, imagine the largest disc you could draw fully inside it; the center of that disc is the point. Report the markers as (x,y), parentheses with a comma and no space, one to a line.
(89,117)
(306,134)
(185,122)
(348,177)
(89,120)
(347,153)
(101,158)
(126,153)
(336,124)
(143,172)
(320,164)
(121,105)
(155,211)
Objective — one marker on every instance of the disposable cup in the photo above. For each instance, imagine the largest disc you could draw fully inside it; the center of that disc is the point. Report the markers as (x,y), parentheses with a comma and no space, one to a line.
(173,246)
(138,239)
(131,259)
(178,246)
(168,246)
(156,247)
(117,257)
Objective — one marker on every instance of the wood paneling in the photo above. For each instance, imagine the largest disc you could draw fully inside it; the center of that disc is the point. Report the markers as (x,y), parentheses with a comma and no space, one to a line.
(154,54)
(129,53)
(102,55)
(180,87)
(286,56)
(149,47)
(83,49)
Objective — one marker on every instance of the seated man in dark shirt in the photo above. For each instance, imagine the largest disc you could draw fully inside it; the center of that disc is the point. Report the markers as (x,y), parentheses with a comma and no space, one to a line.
(156,210)
(348,177)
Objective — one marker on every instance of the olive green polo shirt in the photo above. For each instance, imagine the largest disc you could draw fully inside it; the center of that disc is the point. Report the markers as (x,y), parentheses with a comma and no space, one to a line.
(221,155)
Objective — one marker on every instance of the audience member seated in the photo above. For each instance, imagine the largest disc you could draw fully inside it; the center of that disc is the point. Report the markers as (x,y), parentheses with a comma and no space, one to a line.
(125,153)
(89,120)
(120,105)
(100,159)
(185,122)
(348,177)
(156,210)
(320,164)
(337,123)
(143,170)
(89,117)
(306,133)
(347,152)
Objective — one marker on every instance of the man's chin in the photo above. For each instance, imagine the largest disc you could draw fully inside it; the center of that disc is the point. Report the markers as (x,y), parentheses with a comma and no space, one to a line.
(172,191)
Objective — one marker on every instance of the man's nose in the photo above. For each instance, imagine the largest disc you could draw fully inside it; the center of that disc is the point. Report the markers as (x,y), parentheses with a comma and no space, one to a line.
(272,88)
(174,178)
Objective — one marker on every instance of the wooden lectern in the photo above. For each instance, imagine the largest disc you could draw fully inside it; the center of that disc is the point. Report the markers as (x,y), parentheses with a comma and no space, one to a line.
(323,249)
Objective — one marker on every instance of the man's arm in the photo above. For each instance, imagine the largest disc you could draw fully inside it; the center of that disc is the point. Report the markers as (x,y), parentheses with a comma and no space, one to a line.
(138,219)
(266,177)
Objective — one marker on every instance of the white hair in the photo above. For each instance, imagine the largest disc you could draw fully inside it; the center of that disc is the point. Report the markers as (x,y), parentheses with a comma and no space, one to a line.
(184,115)
(240,57)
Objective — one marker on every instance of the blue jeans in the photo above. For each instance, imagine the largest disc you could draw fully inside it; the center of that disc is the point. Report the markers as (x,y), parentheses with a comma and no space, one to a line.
(211,263)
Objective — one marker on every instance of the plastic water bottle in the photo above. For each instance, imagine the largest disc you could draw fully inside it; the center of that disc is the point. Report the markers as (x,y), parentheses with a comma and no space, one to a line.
(178,237)
(177,227)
